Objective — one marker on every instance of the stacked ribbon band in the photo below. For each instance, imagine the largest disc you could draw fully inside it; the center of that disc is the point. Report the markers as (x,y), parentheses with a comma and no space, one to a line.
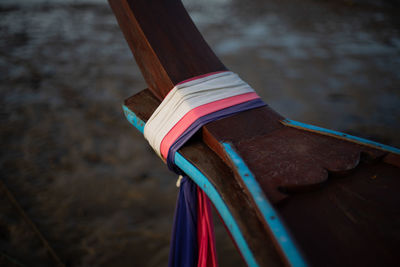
(188,106)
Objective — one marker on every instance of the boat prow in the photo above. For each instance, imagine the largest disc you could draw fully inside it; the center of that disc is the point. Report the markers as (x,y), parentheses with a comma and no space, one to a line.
(288,192)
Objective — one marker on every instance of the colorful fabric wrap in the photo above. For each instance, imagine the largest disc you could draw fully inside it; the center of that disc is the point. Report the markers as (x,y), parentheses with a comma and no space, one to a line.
(188,106)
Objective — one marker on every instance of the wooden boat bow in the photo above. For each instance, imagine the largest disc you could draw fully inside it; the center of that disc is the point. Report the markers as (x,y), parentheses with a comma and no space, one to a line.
(292,162)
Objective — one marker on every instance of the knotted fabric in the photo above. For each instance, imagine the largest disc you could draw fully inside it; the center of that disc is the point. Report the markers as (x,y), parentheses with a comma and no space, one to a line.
(187,107)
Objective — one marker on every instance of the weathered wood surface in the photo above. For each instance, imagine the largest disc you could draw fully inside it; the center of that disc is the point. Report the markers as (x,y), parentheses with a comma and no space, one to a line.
(292,166)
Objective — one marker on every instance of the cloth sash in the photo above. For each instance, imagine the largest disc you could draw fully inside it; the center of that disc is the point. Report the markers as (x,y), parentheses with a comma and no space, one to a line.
(189,101)
(187,107)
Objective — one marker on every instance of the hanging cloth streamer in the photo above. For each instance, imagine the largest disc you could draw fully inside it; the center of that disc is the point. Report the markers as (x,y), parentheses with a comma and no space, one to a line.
(207,254)
(184,244)
(188,106)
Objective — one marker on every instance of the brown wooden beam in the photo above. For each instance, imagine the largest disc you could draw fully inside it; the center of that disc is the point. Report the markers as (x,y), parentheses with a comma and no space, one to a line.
(165,42)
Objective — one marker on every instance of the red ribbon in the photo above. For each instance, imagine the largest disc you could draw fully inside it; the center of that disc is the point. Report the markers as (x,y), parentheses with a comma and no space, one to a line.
(205,232)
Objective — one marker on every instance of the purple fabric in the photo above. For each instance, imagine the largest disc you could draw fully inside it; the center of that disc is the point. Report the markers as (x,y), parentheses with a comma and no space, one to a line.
(189,132)
(184,247)
(184,243)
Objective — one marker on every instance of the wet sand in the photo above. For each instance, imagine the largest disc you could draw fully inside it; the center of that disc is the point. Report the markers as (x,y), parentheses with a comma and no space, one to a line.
(89,181)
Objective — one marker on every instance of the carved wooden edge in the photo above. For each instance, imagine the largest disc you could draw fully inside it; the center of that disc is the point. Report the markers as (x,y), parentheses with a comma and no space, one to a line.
(287,159)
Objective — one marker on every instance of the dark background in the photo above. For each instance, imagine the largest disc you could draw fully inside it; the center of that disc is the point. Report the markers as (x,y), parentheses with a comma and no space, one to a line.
(89,181)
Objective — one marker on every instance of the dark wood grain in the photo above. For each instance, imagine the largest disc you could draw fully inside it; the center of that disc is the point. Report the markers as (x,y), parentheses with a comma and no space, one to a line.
(352,220)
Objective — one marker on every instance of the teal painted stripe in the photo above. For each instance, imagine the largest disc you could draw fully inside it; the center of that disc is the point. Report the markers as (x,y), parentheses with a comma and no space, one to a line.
(271,217)
(133,119)
(342,135)
(209,189)
(220,205)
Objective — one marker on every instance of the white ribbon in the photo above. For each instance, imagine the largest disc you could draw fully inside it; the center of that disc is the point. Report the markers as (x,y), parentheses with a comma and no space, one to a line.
(187,96)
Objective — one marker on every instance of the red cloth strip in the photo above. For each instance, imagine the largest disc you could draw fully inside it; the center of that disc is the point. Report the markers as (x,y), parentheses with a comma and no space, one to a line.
(205,232)
(197,113)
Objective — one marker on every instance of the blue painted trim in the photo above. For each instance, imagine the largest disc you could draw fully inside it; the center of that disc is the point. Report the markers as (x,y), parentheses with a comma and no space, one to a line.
(271,217)
(133,119)
(216,199)
(341,135)
(209,189)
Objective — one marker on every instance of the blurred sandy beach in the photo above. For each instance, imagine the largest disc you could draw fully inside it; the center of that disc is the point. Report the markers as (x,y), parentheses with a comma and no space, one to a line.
(89,181)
